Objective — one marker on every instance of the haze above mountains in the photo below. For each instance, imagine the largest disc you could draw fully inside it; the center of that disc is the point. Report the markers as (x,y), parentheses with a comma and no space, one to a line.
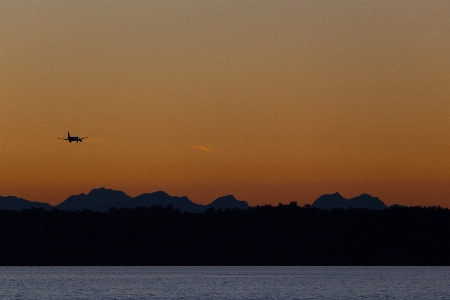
(102,200)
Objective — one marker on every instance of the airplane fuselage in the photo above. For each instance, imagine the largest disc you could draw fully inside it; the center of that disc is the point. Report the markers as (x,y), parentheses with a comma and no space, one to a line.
(73,138)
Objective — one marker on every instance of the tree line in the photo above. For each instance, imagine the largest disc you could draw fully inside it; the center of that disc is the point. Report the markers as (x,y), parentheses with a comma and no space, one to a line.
(263,235)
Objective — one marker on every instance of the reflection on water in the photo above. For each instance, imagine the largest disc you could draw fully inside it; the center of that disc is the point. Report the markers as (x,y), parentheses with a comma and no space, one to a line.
(224,282)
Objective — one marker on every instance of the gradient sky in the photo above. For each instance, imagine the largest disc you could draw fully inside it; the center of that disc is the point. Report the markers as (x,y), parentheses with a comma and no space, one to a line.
(271,101)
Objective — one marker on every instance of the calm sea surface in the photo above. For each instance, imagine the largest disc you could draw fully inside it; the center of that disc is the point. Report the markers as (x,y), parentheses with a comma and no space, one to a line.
(224,283)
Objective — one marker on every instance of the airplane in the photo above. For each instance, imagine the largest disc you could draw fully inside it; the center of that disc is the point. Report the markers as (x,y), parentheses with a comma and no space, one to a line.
(73,138)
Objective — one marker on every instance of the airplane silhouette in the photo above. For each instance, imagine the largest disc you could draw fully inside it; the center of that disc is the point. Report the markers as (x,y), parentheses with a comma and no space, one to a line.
(73,138)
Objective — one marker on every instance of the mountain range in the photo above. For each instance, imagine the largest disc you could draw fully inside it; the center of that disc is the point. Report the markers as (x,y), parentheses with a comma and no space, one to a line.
(102,200)
(335,200)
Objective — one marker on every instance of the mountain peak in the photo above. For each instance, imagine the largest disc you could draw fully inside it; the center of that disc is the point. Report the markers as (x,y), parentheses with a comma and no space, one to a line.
(335,200)
(228,201)
(336,195)
(225,198)
(100,199)
(105,192)
(160,194)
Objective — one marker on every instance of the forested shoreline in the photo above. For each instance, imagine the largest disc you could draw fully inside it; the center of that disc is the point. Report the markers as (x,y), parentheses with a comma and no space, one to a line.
(262,235)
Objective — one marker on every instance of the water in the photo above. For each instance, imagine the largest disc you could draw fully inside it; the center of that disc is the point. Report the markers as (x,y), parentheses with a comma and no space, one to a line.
(224,282)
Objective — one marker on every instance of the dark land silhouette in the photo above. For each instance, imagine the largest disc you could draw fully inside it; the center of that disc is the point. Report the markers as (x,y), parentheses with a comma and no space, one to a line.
(262,235)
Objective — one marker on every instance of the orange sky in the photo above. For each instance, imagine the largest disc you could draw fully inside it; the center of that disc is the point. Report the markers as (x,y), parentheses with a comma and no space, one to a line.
(271,101)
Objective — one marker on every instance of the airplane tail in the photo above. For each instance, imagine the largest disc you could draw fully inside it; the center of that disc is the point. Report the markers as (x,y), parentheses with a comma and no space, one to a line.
(68,135)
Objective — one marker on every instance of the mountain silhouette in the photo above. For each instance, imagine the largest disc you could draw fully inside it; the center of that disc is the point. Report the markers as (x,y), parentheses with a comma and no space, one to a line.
(102,200)
(97,200)
(229,202)
(161,198)
(330,201)
(14,203)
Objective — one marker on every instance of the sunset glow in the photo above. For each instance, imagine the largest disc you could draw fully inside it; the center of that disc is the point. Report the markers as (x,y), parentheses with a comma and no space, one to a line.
(271,101)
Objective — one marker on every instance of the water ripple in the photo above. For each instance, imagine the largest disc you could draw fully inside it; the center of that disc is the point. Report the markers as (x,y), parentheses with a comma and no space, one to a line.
(224,283)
